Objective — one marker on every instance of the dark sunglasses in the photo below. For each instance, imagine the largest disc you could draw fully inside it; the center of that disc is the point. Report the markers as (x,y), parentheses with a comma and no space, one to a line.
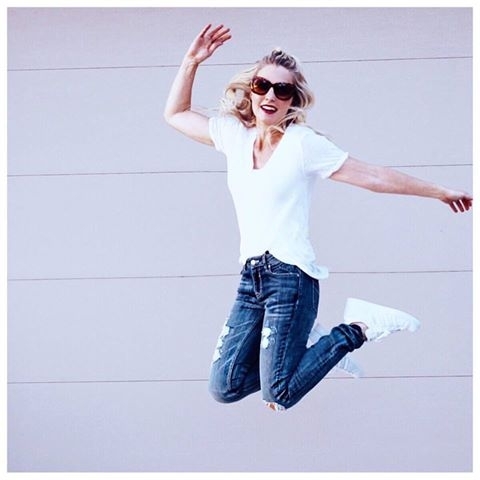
(283,91)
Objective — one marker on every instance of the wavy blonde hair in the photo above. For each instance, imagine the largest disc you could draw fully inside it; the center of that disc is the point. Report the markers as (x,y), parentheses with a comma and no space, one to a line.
(236,99)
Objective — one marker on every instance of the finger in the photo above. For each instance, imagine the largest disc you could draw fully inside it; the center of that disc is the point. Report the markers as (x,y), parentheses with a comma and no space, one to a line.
(456,204)
(216,30)
(463,204)
(220,41)
(214,45)
(226,36)
(205,30)
(453,207)
(221,36)
(467,199)
(467,203)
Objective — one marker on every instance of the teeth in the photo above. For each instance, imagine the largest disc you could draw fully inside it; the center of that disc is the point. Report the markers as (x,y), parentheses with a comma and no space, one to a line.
(269,108)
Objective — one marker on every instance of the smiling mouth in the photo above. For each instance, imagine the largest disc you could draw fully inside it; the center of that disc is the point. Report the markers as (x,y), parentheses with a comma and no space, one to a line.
(268,108)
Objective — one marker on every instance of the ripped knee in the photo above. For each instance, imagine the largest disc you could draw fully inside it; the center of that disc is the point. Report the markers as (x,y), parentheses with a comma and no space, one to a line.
(218,348)
(267,337)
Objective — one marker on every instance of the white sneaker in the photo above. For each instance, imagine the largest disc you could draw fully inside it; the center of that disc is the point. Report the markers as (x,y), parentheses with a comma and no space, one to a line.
(347,364)
(381,321)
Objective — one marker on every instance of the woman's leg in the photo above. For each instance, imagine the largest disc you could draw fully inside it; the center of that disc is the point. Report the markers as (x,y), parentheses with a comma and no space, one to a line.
(235,366)
(288,368)
(347,364)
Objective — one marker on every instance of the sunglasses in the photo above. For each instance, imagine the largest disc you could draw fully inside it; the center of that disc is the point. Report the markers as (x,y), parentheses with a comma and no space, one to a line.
(283,91)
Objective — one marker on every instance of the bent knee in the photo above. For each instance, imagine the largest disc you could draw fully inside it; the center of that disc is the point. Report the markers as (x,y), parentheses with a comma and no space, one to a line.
(220,396)
(221,391)
(224,396)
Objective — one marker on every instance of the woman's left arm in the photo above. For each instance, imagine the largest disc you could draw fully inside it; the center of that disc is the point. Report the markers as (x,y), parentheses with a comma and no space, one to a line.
(387,180)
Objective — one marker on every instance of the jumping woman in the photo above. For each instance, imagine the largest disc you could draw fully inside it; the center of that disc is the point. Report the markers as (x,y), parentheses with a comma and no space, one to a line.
(273,159)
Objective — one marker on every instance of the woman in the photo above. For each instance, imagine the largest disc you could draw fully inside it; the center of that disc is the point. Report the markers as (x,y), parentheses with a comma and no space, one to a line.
(273,159)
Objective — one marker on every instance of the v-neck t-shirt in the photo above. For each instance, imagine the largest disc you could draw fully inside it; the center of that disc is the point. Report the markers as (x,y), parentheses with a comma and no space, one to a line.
(272,203)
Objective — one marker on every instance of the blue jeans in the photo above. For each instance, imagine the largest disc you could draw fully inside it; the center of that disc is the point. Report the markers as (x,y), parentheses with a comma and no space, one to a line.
(263,343)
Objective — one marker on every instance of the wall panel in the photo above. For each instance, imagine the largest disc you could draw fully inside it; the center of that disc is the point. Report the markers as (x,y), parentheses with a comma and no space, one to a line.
(86,38)
(344,426)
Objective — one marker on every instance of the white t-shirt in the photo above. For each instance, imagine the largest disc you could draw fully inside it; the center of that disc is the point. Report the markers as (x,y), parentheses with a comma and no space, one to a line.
(273,203)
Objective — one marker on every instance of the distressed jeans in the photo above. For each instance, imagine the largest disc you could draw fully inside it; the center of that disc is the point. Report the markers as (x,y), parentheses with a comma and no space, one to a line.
(263,344)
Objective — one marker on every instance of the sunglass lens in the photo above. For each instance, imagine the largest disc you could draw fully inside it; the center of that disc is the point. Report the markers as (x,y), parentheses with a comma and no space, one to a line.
(260,86)
(284,91)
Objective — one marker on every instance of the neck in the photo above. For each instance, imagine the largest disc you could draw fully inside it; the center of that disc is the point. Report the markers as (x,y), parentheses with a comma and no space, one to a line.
(267,137)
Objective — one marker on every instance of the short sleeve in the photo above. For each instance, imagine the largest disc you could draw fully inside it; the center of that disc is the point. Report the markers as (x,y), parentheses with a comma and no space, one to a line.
(223,131)
(321,156)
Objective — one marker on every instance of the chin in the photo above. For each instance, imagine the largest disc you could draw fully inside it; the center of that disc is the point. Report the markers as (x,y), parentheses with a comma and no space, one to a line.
(270,121)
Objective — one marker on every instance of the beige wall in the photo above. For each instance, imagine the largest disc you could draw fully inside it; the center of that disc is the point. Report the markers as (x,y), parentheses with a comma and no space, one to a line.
(123,244)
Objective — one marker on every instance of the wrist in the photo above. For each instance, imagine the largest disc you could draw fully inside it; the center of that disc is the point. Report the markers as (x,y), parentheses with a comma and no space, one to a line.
(189,63)
(441,193)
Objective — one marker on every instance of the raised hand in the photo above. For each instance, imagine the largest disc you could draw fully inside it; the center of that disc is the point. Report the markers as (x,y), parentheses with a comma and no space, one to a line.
(206,42)
(178,109)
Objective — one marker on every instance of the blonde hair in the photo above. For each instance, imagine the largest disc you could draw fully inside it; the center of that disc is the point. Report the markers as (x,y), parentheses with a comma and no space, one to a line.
(236,99)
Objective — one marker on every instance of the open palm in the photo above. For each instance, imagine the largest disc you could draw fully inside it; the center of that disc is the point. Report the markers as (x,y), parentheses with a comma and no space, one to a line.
(207,42)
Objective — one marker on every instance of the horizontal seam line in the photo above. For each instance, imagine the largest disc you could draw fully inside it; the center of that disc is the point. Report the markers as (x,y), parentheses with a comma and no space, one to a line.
(175,65)
(109,381)
(144,277)
(185,380)
(170,172)
(153,277)
(167,172)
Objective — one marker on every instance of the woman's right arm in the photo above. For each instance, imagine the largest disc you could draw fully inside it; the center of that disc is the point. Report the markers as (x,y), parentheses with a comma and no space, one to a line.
(178,111)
